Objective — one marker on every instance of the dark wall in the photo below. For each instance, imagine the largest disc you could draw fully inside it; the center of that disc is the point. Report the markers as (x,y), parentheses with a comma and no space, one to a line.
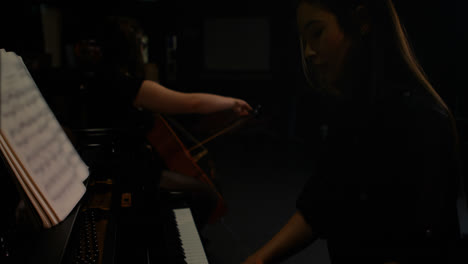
(22,30)
(274,88)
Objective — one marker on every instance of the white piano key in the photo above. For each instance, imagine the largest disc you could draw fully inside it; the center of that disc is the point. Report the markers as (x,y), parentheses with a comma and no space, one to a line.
(191,243)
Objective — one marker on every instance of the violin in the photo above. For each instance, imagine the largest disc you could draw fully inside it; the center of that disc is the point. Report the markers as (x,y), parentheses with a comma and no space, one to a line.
(179,158)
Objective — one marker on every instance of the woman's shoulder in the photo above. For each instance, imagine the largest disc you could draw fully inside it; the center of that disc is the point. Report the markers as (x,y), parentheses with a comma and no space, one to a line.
(412,101)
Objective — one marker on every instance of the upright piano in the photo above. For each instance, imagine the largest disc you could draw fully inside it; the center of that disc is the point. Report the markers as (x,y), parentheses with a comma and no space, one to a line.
(123,218)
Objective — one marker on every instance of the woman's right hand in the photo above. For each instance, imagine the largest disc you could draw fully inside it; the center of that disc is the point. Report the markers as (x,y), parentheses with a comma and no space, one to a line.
(241,107)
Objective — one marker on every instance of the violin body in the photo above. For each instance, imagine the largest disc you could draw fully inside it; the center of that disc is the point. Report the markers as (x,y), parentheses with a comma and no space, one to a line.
(179,159)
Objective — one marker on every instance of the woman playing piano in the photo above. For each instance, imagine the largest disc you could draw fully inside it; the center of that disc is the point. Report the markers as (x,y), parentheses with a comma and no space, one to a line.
(384,189)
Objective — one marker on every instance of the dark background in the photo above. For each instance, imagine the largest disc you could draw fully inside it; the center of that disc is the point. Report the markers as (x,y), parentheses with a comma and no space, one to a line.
(436,29)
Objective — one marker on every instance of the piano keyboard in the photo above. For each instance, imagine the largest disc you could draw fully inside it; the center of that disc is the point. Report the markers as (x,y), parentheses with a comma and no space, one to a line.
(191,244)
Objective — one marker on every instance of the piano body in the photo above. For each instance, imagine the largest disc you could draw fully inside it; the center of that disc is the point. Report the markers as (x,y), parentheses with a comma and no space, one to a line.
(123,218)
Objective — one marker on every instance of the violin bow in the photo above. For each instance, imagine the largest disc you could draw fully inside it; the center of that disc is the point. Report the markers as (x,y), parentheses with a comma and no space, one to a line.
(253,113)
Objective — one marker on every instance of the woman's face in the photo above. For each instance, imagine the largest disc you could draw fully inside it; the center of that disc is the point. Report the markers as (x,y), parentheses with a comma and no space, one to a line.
(324,43)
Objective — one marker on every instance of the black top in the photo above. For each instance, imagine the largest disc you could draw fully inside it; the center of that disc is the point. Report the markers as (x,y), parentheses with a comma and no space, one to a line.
(385,177)
(100,111)
(90,99)
(108,96)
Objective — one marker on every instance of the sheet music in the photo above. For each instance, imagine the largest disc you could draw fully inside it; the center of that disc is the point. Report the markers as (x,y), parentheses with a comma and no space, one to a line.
(35,198)
(30,129)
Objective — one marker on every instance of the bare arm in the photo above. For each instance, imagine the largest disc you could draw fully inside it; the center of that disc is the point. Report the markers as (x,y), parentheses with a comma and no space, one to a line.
(293,237)
(155,97)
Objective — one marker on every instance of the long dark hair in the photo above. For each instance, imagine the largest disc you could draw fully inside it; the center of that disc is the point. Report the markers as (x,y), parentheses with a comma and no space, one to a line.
(390,45)
(120,40)
(399,57)
(111,43)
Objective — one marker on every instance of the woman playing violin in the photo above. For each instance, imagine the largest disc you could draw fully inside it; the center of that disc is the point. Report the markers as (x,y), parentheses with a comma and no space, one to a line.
(111,58)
